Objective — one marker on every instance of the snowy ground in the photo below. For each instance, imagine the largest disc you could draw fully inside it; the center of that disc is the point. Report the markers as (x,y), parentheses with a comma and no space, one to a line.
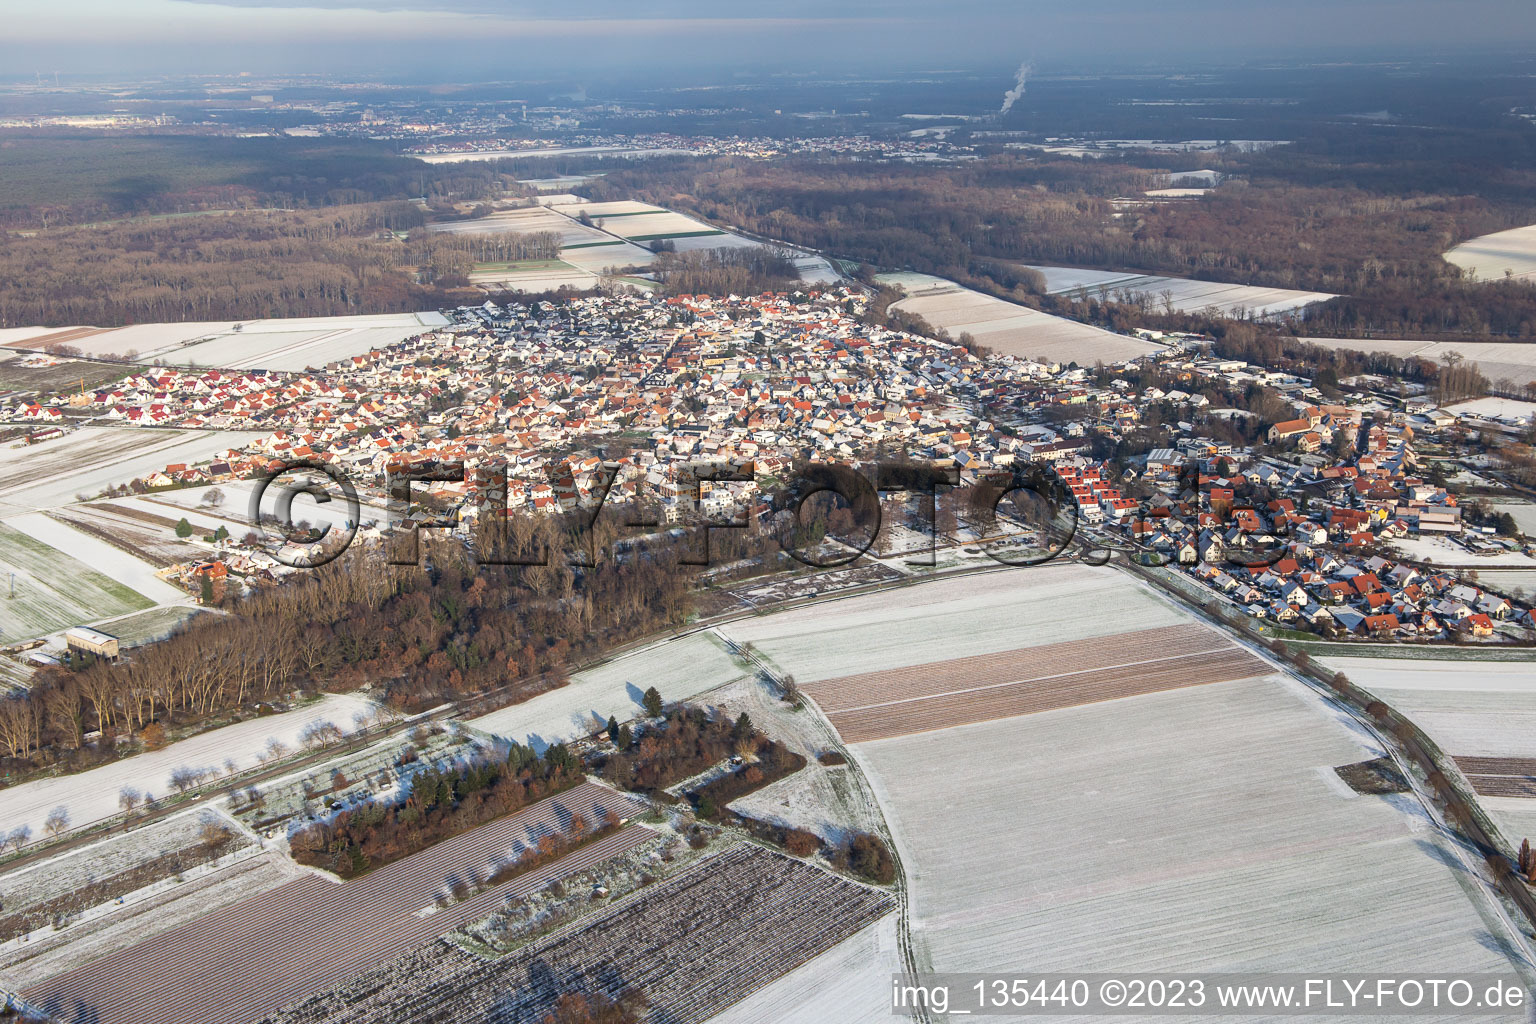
(88,460)
(1501,254)
(111,562)
(849,983)
(1468,708)
(1010,329)
(1186,295)
(1495,408)
(1511,361)
(677,668)
(47,589)
(1441,551)
(93,795)
(1191,830)
(281,344)
(953,618)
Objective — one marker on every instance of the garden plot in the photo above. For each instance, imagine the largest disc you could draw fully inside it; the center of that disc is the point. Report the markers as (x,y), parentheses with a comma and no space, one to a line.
(86,461)
(1186,294)
(1502,254)
(986,613)
(1191,830)
(120,566)
(54,590)
(148,537)
(695,944)
(1011,329)
(92,795)
(679,669)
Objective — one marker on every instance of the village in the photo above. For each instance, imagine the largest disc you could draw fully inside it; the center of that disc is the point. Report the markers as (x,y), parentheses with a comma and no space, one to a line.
(1164,455)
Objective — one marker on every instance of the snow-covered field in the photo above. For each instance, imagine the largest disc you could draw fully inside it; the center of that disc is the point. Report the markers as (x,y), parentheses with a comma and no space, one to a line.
(1469,708)
(1498,360)
(299,344)
(283,344)
(954,618)
(1491,256)
(535,279)
(677,668)
(234,510)
(527,221)
(111,562)
(90,796)
(1485,708)
(1495,408)
(1010,329)
(53,589)
(849,983)
(1524,514)
(1185,294)
(597,258)
(88,460)
(1442,551)
(1197,829)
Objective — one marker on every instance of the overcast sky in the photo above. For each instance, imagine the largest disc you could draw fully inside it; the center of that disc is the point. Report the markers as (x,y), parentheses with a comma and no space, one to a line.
(505,39)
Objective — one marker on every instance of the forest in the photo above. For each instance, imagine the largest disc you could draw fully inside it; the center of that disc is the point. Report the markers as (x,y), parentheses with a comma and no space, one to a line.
(449,630)
(53,180)
(1290,217)
(331,262)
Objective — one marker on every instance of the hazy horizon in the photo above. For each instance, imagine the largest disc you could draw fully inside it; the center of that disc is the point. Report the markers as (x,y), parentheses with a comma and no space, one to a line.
(683,38)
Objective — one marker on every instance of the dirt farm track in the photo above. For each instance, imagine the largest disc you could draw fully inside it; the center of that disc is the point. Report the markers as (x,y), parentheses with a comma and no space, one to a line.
(238,963)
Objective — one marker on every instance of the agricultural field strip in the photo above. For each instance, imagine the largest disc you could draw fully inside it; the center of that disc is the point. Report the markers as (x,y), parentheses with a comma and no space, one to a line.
(695,943)
(92,795)
(57,590)
(1187,656)
(129,570)
(314,932)
(1254,858)
(988,671)
(324,955)
(946,711)
(1500,776)
(1497,765)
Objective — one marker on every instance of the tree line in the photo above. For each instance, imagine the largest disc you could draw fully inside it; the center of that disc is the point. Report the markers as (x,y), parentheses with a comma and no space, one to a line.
(449,630)
(441,803)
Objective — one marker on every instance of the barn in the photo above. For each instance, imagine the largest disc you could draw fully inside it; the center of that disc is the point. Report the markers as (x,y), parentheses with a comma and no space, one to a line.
(91,641)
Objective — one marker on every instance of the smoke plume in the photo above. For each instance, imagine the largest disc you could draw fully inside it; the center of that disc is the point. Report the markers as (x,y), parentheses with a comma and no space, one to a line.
(1012,95)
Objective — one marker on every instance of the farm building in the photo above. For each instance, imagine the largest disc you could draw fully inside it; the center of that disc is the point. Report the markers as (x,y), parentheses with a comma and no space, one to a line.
(93,642)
